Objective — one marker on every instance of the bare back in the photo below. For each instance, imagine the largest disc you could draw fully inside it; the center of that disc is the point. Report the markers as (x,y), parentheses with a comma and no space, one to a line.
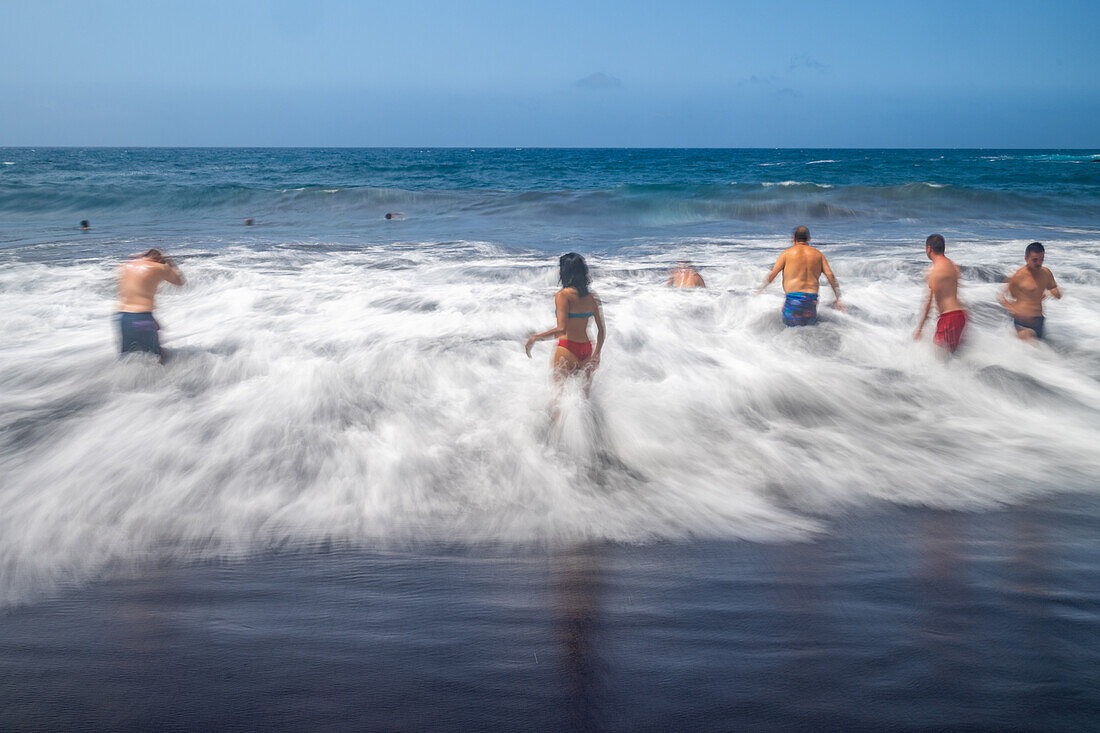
(802,267)
(686,277)
(576,327)
(138,281)
(943,281)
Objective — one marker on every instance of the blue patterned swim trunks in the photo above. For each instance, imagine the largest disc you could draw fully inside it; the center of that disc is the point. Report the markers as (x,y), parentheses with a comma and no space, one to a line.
(800,309)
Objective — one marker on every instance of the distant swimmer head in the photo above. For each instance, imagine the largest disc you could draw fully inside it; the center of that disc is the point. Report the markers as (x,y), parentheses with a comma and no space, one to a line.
(395,215)
(935,245)
(801,234)
(153,254)
(248,222)
(573,273)
(84,224)
(1034,255)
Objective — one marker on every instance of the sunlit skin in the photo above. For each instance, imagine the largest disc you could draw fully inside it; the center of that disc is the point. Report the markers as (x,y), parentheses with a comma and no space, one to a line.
(802,267)
(1027,288)
(139,279)
(943,288)
(563,361)
(685,276)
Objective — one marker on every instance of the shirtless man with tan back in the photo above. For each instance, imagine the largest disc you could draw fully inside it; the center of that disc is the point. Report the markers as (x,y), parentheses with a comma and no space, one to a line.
(1029,287)
(685,276)
(943,288)
(802,267)
(138,281)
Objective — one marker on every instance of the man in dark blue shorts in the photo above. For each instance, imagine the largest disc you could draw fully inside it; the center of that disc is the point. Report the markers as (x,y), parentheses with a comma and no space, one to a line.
(1028,288)
(138,281)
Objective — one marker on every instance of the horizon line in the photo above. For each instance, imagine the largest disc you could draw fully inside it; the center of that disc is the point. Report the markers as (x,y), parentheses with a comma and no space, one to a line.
(512,147)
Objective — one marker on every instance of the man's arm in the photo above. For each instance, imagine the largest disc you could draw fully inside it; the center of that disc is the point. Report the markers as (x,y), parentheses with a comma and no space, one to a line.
(924,315)
(1002,297)
(828,271)
(1053,286)
(699,281)
(172,273)
(776,269)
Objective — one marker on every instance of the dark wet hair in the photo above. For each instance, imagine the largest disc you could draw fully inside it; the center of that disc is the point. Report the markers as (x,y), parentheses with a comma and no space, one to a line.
(1033,248)
(936,244)
(573,273)
(801,234)
(153,254)
(83,223)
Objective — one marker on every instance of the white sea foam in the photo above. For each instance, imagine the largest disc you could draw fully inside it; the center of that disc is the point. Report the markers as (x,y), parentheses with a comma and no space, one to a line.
(797,183)
(382,396)
(812,162)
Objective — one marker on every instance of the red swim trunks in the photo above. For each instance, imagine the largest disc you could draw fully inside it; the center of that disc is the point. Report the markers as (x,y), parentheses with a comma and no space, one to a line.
(580,349)
(949,329)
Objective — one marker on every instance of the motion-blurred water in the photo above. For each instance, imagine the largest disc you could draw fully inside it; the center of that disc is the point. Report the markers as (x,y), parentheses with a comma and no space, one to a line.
(339,378)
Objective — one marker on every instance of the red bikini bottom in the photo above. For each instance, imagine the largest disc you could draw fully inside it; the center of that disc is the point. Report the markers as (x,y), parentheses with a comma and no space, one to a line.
(580,349)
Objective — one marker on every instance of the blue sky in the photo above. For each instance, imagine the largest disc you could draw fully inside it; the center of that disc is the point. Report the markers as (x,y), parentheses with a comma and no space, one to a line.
(564,73)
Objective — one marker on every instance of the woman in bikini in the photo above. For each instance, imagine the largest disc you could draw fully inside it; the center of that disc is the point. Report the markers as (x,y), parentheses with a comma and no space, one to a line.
(574,305)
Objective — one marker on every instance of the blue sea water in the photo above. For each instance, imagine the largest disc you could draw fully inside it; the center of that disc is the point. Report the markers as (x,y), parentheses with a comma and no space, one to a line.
(342,503)
(541,198)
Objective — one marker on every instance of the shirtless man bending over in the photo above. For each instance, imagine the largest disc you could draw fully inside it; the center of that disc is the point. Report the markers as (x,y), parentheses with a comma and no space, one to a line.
(685,276)
(138,280)
(943,287)
(1028,287)
(802,267)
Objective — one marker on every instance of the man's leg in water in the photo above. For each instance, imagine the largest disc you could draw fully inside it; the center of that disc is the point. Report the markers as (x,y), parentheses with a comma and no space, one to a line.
(139,332)
(1028,329)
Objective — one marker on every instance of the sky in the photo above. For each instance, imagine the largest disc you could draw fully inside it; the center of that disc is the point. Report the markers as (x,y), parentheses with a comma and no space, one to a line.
(692,73)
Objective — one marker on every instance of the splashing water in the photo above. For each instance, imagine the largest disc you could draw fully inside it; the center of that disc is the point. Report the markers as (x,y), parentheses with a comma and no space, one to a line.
(380,396)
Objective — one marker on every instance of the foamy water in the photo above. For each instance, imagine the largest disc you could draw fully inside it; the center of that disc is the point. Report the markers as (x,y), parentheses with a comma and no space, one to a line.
(380,396)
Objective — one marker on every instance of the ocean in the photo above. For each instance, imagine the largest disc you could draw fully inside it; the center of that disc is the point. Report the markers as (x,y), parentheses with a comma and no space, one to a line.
(342,503)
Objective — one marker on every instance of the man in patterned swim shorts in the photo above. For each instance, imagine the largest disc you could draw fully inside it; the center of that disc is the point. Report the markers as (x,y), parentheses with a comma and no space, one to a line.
(802,267)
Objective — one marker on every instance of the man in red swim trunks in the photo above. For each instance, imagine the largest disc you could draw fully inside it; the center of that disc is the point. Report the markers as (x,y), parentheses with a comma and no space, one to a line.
(943,287)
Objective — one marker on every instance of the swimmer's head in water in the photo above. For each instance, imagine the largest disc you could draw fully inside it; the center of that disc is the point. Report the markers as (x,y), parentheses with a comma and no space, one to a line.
(1034,255)
(153,254)
(573,273)
(801,234)
(84,224)
(935,244)
(248,222)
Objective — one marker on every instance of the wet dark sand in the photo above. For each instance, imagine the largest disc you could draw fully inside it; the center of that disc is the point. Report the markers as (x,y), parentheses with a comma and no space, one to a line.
(900,619)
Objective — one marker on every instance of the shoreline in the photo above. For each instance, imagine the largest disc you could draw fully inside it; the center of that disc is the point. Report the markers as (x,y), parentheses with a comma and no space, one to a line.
(900,618)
